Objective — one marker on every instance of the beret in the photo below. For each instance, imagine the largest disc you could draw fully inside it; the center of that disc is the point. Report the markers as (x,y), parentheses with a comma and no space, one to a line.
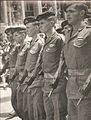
(45,15)
(10,29)
(29,19)
(64,23)
(19,29)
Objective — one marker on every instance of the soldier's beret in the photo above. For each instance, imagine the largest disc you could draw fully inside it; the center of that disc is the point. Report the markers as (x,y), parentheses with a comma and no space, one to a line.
(29,19)
(10,29)
(45,15)
(64,23)
(19,29)
(78,6)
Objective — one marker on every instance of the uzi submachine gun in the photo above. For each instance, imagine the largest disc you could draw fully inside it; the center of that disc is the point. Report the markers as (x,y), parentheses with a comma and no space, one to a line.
(61,75)
(86,88)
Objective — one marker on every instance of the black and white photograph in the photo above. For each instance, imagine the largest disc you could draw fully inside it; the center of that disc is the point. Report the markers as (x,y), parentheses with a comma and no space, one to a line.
(45,60)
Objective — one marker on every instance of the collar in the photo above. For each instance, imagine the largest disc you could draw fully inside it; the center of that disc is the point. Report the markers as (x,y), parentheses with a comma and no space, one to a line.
(79,30)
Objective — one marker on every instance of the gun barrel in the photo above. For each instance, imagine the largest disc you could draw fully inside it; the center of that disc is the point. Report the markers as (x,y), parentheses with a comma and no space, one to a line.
(50,93)
(26,86)
(79,101)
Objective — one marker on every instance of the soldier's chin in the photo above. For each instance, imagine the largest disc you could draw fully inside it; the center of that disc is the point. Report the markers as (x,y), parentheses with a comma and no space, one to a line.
(69,21)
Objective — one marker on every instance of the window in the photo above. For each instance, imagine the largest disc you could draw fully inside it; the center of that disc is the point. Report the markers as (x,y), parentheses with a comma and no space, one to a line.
(1,12)
(29,9)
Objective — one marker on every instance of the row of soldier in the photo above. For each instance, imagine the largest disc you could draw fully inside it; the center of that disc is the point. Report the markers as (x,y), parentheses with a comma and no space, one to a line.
(46,73)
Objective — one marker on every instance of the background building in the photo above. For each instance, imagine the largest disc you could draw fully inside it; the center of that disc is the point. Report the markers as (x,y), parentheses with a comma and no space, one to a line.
(13,12)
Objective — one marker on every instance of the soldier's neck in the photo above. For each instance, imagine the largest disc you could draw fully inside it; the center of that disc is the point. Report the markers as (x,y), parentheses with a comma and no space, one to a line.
(21,44)
(76,27)
(34,36)
(49,33)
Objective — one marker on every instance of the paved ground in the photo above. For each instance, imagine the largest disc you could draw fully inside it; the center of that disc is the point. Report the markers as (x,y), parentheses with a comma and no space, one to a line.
(5,103)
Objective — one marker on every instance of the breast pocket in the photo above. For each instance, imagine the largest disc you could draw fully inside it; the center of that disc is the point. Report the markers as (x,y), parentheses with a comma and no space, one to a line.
(34,50)
(51,49)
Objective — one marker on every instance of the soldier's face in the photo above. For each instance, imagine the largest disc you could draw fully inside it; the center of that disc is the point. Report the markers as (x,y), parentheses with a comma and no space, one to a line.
(10,37)
(66,29)
(73,15)
(31,28)
(44,25)
(17,37)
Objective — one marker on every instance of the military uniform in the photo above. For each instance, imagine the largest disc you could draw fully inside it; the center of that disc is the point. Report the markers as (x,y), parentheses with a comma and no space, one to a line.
(10,63)
(55,106)
(20,64)
(15,63)
(34,99)
(78,59)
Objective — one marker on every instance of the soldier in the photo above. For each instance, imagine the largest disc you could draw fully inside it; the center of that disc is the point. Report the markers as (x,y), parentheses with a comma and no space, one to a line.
(10,63)
(34,96)
(17,36)
(78,60)
(9,33)
(55,105)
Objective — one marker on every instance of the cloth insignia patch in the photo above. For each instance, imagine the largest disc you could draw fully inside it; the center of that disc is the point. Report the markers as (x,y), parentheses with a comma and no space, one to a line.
(51,45)
(34,49)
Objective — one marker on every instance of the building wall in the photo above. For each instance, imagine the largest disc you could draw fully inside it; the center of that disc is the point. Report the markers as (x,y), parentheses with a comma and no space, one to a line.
(13,12)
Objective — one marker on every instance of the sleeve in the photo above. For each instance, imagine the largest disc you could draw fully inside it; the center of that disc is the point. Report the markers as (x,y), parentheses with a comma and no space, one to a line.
(60,43)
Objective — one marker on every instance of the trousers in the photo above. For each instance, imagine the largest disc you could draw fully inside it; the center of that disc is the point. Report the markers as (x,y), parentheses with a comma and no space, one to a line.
(22,102)
(55,106)
(35,104)
(13,95)
(80,112)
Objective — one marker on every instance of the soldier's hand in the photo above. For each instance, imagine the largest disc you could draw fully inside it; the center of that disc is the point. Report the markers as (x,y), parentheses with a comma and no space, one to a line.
(55,84)
(18,85)
(9,82)
(20,82)
(82,91)
(31,81)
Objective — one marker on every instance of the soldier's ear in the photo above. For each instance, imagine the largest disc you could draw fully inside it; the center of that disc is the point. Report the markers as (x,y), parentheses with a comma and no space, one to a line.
(52,23)
(24,34)
(82,13)
(53,20)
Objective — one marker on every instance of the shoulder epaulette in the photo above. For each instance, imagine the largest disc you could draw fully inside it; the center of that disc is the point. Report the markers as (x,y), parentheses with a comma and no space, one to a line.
(81,38)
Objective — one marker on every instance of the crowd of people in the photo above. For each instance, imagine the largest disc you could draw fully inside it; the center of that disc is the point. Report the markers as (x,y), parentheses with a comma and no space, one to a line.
(49,69)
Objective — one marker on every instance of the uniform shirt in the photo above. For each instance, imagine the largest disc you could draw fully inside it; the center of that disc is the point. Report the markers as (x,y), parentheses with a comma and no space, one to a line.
(21,59)
(50,58)
(78,58)
(51,53)
(32,57)
(13,58)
